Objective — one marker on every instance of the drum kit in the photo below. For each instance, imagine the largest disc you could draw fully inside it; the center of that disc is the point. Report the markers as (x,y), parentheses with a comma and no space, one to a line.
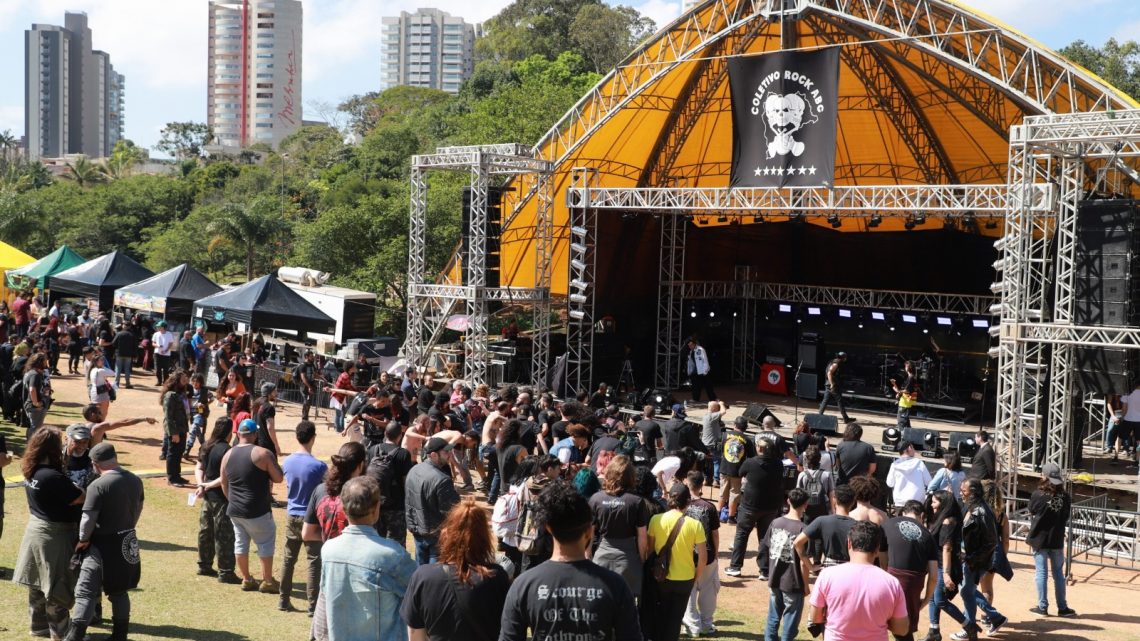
(932,374)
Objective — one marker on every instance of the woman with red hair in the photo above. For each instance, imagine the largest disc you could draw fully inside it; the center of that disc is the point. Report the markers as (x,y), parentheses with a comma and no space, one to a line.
(461,596)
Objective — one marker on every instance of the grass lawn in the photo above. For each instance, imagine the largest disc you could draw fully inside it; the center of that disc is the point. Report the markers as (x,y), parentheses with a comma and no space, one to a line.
(174,603)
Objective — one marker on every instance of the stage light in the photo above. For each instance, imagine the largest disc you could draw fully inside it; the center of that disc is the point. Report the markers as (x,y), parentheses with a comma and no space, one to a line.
(702,221)
(581,299)
(577,314)
(993,352)
(875,221)
(981,323)
(995,310)
(834,221)
(944,321)
(994,330)
(878,316)
(722,219)
(909,318)
(813,311)
(799,320)
(991,224)
(577,264)
(734,314)
(891,437)
(925,330)
(860,325)
(997,287)
(579,284)
(919,218)
(757,219)
(712,314)
(580,232)
(909,224)
(578,248)
(845,313)
(693,314)
(892,328)
(999,264)
(785,308)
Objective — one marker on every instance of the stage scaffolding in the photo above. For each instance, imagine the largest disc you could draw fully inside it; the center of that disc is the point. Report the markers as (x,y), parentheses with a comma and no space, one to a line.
(431,304)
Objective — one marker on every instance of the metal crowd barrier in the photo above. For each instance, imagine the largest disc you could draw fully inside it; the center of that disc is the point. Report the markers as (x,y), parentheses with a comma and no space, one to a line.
(1097,534)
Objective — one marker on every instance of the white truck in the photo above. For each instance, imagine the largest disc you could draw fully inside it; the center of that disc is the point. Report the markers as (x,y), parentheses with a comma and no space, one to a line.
(354,311)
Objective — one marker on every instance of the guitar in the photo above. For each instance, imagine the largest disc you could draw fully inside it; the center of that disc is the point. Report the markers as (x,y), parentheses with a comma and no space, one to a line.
(899,393)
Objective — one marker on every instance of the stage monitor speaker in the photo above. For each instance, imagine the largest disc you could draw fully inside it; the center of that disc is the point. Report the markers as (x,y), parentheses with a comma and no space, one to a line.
(822,424)
(807,386)
(965,444)
(755,413)
(926,442)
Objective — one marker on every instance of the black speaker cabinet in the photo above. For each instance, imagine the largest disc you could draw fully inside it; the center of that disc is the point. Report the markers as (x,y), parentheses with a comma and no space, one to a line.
(755,413)
(822,424)
(807,386)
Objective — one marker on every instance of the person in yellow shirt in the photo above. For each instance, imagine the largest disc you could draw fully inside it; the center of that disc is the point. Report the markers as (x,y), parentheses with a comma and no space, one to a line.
(687,560)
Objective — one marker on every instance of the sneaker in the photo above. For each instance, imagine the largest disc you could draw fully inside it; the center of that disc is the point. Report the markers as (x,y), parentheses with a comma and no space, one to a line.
(963,635)
(992,627)
(1068,613)
(708,631)
(732,520)
(207,572)
(229,578)
(732,571)
(984,620)
(933,635)
(250,585)
(763,578)
(270,586)
(1039,611)
(286,606)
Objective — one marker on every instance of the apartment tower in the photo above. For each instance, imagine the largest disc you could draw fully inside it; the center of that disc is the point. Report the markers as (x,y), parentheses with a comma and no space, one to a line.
(428,48)
(254,74)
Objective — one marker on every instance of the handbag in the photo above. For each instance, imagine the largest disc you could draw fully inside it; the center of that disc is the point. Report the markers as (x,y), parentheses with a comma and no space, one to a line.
(659,561)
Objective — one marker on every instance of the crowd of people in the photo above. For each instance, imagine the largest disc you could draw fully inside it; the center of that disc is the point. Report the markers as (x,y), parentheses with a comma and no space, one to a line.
(600,524)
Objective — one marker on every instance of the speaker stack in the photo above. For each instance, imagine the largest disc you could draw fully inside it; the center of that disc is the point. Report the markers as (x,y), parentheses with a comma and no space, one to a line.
(1105,282)
(810,358)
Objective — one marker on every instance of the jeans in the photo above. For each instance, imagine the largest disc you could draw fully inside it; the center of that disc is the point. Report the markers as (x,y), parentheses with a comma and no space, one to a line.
(1116,429)
(828,394)
(702,600)
(902,420)
(88,588)
(36,416)
(491,464)
(1057,559)
(215,534)
(196,426)
(787,606)
(940,604)
(973,599)
(746,521)
(174,459)
(162,367)
(338,420)
(306,402)
(427,549)
(293,544)
(712,465)
(123,366)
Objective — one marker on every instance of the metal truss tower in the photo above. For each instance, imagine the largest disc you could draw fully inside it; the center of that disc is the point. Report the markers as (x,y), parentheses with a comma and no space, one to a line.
(430,304)
(582,287)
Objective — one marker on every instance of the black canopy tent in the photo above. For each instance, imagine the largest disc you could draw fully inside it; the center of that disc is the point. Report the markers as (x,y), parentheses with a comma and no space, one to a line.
(170,294)
(264,303)
(99,278)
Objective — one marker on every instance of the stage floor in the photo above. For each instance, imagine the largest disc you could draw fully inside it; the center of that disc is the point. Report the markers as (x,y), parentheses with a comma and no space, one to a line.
(1118,480)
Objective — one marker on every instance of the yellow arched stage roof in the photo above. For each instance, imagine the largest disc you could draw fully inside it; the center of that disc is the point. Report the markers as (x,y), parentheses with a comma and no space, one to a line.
(928,91)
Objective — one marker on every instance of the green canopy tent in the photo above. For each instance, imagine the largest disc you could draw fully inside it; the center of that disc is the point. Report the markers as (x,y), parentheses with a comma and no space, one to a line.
(36,274)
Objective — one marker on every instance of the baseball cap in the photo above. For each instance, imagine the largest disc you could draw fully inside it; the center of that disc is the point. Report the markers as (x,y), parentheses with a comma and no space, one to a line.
(903,446)
(103,453)
(678,408)
(436,444)
(248,426)
(1052,471)
(680,493)
(160,323)
(78,432)
(267,388)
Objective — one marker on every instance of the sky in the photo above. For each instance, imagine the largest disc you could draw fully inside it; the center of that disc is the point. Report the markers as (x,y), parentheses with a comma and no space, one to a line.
(160,45)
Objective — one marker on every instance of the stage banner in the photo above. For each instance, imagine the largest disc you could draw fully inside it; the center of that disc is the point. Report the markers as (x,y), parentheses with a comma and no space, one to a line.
(784,118)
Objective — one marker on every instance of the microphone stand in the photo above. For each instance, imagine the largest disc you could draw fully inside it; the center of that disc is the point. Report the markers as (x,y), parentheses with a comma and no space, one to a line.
(796,390)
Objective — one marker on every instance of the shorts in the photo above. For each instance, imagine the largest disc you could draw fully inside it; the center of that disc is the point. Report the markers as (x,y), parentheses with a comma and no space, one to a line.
(262,530)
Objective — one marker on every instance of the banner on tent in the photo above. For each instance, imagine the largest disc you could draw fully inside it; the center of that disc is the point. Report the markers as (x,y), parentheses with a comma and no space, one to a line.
(140,302)
(784,109)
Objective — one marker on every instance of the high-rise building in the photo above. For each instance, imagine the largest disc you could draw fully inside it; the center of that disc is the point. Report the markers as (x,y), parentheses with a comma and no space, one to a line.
(428,48)
(73,99)
(254,73)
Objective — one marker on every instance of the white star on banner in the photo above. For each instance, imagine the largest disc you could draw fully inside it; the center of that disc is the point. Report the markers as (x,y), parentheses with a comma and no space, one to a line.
(779,171)
(803,170)
(811,170)
(757,171)
(767,171)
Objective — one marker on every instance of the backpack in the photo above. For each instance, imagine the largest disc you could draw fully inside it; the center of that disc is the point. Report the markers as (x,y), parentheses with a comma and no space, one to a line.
(531,530)
(505,518)
(628,446)
(358,402)
(382,468)
(604,458)
(813,485)
(734,448)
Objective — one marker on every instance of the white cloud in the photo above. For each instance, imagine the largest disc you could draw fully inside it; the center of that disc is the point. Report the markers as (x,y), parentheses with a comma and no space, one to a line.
(1129,31)
(662,12)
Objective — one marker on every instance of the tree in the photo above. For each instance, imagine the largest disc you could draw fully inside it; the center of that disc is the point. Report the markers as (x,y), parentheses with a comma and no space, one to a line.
(249,226)
(184,140)
(8,145)
(1116,62)
(530,27)
(124,157)
(604,36)
(82,171)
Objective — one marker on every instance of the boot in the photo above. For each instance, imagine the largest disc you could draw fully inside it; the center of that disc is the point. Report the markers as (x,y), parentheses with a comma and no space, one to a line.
(77,632)
(119,627)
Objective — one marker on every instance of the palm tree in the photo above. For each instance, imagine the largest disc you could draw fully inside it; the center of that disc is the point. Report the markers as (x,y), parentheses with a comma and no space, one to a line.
(249,226)
(8,144)
(83,171)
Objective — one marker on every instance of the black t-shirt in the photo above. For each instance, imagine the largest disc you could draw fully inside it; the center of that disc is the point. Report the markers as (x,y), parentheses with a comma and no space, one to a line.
(50,493)
(578,600)
(212,468)
(604,444)
(1050,515)
(430,603)
(370,428)
(425,400)
(3,450)
(528,436)
(735,450)
(950,534)
(764,484)
(546,419)
(307,372)
(108,350)
(908,545)
(558,429)
(650,432)
(783,562)
(802,441)
(775,439)
(831,530)
(618,517)
(126,344)
(705,512)
(855,457)
(79,468)
(264,413)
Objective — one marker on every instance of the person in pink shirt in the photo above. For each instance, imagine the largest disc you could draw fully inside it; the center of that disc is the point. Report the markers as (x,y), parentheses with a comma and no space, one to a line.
(857,601)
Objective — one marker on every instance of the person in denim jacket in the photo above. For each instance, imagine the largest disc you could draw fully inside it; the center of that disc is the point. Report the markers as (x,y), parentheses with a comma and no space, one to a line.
(363,575)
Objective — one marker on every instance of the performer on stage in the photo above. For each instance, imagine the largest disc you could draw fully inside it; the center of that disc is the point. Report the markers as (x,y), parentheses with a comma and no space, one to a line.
(832,388)
(907,394)
(698,370)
